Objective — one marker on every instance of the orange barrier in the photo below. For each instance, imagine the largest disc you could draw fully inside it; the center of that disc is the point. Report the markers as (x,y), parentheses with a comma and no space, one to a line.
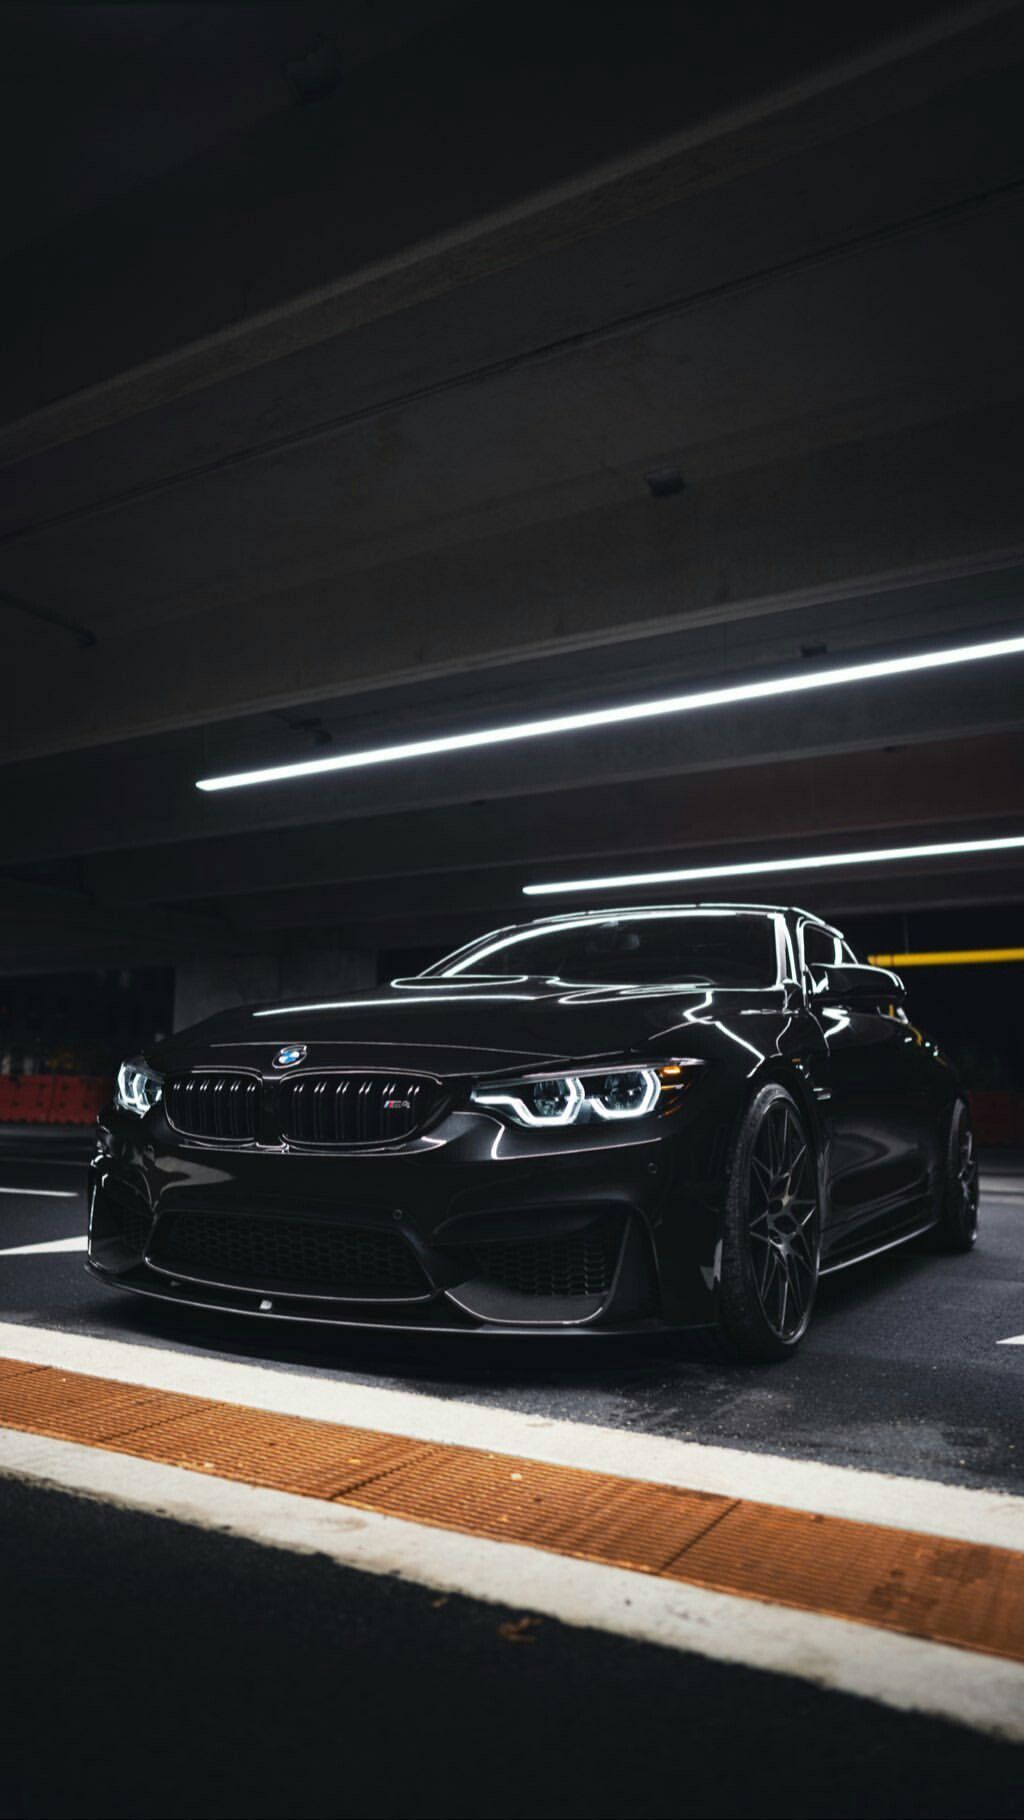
(52,1099)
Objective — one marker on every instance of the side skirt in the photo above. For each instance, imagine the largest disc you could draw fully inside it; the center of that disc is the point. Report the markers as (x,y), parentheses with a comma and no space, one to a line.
(874,1251)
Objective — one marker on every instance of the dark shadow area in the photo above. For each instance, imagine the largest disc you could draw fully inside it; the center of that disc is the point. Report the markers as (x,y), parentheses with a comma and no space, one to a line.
(284,1684)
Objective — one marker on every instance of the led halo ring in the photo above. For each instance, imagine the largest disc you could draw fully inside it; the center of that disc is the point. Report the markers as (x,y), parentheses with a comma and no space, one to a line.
(652,1094)
(138,1088)
(579,1099)
(524,1114)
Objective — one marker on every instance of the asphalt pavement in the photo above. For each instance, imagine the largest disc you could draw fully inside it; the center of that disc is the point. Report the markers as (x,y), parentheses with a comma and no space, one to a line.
(156,1668)
(162,1670)
(903,1370)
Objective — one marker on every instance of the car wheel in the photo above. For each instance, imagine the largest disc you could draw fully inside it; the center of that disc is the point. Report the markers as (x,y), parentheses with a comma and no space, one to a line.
(957,1226)
(772,1230)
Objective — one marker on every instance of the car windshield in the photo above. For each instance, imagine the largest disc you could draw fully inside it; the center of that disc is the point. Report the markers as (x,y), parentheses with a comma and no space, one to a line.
(717,949)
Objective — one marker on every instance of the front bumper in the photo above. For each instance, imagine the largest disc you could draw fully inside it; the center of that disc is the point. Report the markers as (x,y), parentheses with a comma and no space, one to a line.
(474,1227)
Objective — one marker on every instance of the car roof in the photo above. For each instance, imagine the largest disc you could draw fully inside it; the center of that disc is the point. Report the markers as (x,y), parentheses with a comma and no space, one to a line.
(653,909)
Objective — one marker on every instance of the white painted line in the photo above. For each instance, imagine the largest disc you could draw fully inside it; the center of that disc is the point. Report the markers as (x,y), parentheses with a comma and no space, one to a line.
(49,1194)
(942,1510)
(1016,1340)
(982,1692)
(78,1243)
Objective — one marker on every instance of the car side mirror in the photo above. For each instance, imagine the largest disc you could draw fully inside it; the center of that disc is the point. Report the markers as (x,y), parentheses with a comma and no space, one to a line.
(855,985)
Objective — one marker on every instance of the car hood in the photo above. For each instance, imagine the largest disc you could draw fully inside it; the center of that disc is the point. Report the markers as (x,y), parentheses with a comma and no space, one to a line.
(454,1029)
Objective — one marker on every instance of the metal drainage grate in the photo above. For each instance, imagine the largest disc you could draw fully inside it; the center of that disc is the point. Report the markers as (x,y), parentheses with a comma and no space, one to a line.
(966,1594)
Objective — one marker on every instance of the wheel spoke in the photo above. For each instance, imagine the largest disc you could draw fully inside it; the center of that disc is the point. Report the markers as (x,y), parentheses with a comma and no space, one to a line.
(784,1298)
(796,1289)
(767,1274)
(764,1176)
(771,1128)
(781,1283)
(796,1163)
(805,1254)
(779,1134)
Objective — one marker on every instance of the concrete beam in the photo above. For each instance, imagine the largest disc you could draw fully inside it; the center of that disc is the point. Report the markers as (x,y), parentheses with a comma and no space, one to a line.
(422,211)
(937,499)
(156,801)
(727,229)
(924,786)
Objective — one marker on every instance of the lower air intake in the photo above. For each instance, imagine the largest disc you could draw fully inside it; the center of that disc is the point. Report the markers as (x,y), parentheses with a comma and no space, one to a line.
(315,1257)
(124,1214)
(574,1264)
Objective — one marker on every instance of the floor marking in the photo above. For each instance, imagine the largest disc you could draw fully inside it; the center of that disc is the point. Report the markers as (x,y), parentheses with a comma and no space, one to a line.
(78,1243)
(991,1517)
(960,1593)
(985,1693)
(49,1194)
(1016,1339)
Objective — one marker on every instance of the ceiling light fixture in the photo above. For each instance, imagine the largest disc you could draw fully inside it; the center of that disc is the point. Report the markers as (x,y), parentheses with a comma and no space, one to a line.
(816,862)
(801,683)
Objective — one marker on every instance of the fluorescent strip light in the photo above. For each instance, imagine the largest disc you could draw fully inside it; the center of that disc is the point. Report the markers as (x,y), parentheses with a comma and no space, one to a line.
(948,957)
(818,862)
(800,684)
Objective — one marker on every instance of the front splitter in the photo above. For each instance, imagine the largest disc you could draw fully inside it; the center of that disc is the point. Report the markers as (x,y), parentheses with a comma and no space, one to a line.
(298,1312)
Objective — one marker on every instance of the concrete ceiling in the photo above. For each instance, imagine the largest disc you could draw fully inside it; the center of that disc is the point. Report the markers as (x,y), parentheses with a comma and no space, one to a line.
(343,344)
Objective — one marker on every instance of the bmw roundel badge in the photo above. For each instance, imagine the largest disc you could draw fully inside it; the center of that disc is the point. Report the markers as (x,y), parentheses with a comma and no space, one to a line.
(290,1054)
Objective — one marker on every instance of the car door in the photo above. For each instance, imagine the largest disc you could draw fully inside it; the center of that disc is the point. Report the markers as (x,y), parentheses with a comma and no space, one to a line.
(874,1102)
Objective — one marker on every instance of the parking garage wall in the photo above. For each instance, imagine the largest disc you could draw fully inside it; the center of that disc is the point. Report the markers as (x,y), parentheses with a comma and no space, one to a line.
(202,987)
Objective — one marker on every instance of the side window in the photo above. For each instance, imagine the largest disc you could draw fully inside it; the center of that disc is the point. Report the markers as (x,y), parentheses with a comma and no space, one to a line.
(819,946)
(847,956)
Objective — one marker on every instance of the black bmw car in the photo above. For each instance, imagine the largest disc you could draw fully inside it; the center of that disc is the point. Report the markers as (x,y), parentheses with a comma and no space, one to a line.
(675,1117)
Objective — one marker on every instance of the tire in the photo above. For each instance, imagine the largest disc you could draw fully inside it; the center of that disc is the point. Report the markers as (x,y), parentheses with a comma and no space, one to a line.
(956,1229)
(771,1234)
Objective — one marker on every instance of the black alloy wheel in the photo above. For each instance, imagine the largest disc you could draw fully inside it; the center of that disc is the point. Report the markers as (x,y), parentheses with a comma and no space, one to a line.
(957,1225)
(772,1230)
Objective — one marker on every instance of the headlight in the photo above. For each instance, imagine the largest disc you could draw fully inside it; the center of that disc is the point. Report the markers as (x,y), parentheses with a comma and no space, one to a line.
(138,1087)
(570,1099)
(627,1095)
(552,1102)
